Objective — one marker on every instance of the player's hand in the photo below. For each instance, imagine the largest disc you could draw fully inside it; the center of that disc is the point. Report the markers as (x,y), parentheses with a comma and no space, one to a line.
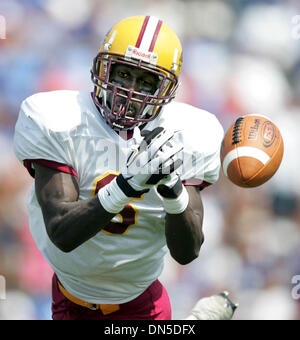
(170,187)
(156,157)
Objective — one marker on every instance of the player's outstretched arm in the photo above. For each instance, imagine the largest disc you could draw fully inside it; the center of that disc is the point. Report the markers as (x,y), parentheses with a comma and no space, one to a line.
(184,231)
(69,222)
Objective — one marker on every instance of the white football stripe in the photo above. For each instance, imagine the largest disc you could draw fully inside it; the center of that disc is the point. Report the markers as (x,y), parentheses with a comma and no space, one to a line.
(149,33)
(244,151)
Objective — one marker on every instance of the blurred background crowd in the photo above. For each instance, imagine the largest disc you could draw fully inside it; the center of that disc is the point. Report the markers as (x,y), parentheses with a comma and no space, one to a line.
(240,57)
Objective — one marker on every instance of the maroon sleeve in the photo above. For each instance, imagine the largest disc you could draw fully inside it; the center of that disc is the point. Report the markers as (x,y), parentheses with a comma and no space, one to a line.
(196,183)
(49,164)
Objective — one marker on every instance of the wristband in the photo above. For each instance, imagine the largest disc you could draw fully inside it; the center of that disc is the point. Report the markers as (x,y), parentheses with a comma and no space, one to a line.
(112,198)
(177,205)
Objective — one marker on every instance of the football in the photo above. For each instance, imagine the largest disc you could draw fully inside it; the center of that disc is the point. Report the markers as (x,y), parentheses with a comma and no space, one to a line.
(251,151)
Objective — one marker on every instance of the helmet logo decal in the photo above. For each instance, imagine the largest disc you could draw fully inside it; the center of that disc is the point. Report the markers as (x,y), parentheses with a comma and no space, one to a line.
(136,53)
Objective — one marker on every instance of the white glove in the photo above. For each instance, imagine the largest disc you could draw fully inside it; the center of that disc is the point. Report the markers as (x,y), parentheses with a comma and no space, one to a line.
(170,186)
(154,158)
(216,307)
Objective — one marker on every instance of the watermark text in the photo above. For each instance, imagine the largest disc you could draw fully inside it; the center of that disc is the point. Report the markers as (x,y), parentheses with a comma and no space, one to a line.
(296,289)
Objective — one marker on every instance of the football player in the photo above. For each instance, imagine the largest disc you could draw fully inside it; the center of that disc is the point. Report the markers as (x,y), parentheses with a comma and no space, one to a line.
(118,175)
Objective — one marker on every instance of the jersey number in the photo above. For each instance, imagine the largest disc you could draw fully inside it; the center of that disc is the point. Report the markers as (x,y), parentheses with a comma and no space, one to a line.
(128,216)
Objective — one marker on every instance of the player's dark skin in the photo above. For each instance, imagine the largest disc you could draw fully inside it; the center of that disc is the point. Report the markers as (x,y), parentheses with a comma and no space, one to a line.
(133,79)
(70,222)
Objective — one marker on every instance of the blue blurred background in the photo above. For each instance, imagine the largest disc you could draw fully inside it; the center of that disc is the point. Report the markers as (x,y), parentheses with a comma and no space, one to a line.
(240,57)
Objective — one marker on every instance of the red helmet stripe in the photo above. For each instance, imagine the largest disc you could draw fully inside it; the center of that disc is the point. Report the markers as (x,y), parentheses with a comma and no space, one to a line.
(142,32)
(151,48)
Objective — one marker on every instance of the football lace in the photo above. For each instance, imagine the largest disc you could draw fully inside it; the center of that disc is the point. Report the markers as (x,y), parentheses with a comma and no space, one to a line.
(236,133)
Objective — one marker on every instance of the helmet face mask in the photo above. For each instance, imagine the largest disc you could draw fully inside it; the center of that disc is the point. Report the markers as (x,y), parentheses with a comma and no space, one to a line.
(122,106)
(146,102)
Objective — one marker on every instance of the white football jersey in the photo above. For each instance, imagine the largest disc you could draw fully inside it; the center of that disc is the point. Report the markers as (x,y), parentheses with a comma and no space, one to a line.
(123,259)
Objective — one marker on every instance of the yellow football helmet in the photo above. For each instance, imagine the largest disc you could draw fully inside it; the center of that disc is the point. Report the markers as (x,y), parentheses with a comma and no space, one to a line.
(146,43)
